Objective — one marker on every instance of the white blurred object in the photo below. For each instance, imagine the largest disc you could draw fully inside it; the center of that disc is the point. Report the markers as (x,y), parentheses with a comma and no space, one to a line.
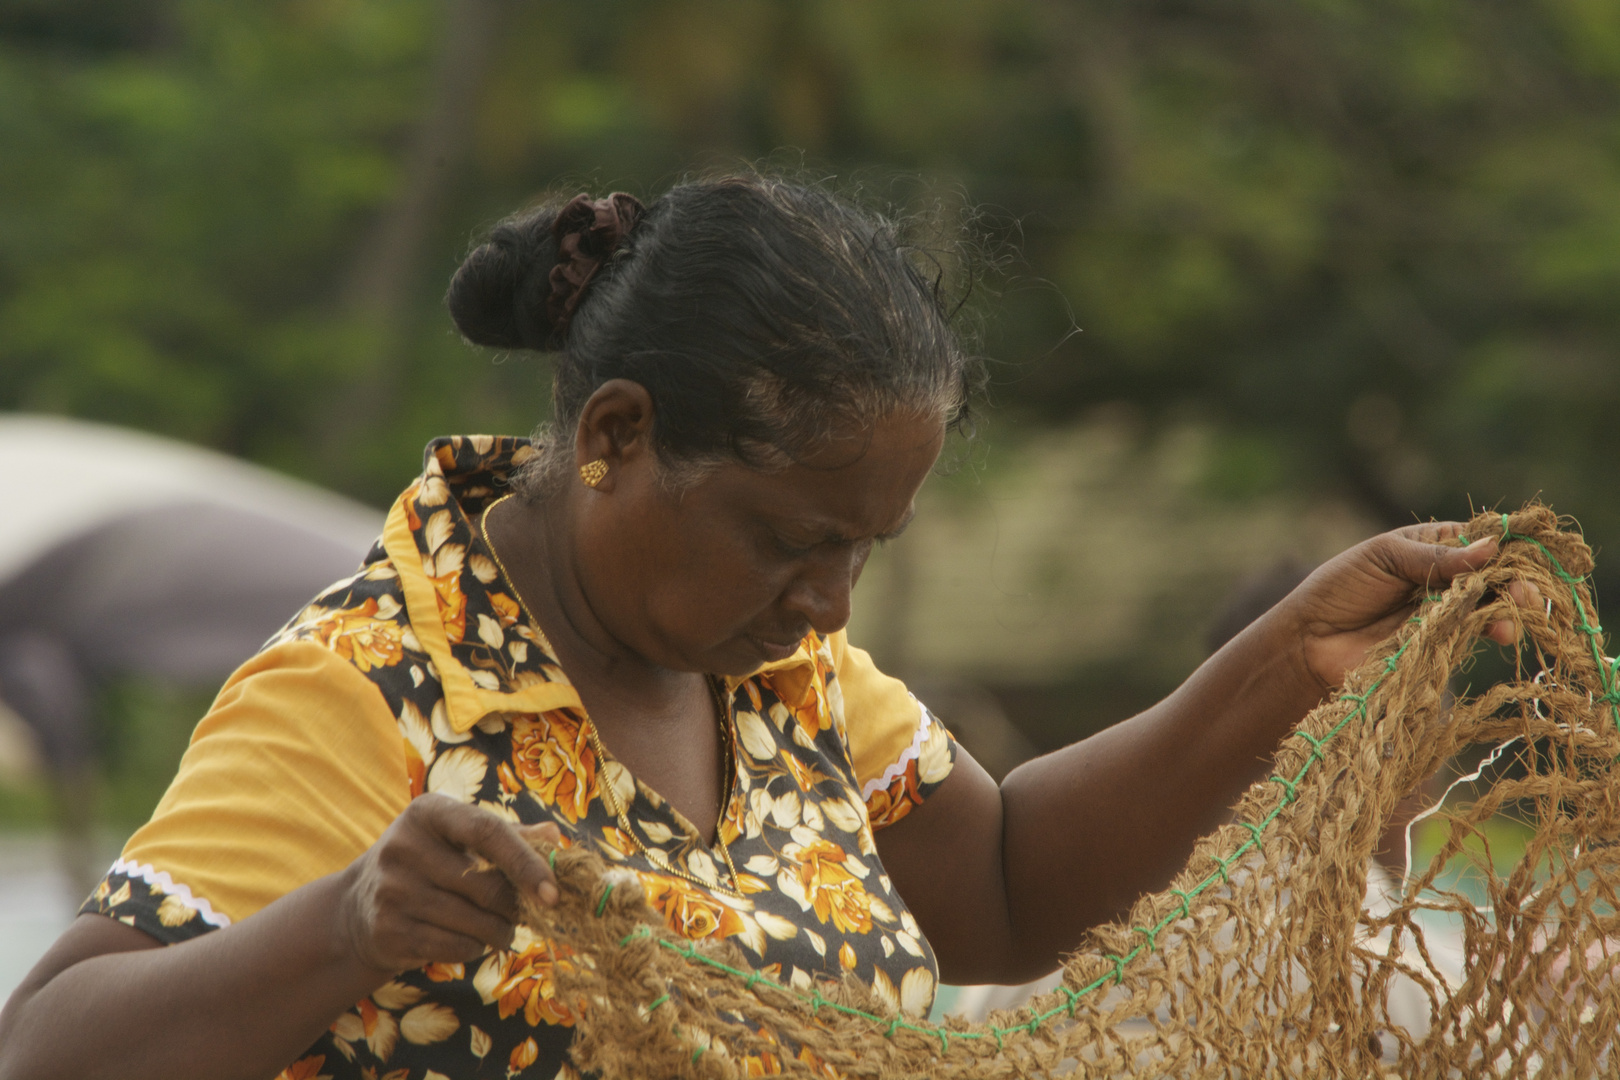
(19,750)
(1407,1003)
(64,477)
(976,1003)
(37,902)
(121,552)
(124,554)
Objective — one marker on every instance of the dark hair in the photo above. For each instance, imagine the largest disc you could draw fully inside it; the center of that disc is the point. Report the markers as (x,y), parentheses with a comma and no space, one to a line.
(760,315)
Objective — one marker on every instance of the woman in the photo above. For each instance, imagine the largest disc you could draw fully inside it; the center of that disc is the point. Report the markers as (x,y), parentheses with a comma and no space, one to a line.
(630,635)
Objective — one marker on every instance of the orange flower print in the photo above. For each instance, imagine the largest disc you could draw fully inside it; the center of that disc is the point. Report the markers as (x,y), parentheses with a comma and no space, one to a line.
(806,776)
(452,604)
(361,638)
(306,1069)
(880,808)
(552,756)
(618,841)
(888,805)
(525,982)
(415,769)
(689,912)
(813,716)
(526,1053)
(408,500)
(733,817)
(766,1064)
(507,610)
(809,1057)
(833,891)
(509,781)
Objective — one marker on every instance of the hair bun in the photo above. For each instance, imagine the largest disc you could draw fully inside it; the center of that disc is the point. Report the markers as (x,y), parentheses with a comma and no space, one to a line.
(587,232)
(499,295)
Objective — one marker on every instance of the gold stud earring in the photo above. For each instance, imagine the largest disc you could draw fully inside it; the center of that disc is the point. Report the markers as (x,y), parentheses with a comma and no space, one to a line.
(593,472)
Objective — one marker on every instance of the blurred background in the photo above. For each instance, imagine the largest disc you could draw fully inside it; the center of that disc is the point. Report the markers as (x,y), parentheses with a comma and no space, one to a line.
(1270,278)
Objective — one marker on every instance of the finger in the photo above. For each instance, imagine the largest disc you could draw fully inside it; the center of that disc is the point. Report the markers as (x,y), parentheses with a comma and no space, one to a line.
(479,832)
(477,881)
(1525,596)
(545,834)
(500,896)
(429,944)
(456,914)
(1433,532)
(1431,565)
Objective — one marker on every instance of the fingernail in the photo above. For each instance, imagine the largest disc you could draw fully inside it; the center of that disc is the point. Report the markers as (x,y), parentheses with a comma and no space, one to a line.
(548,893)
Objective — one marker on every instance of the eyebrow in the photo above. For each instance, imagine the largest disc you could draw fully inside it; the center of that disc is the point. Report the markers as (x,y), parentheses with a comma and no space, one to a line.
(831,535)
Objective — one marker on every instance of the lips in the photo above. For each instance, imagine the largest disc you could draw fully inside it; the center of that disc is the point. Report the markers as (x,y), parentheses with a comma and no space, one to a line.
(776,650)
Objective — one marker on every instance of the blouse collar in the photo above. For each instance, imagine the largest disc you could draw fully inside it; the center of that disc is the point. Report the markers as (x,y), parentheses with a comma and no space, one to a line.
(488,658)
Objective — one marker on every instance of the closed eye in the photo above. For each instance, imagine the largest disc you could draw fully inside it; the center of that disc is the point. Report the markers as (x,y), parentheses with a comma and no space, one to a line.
(894,534)
(790,549)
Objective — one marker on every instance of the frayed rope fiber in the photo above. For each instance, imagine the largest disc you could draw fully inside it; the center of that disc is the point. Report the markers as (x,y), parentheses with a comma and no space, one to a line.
(1267,955)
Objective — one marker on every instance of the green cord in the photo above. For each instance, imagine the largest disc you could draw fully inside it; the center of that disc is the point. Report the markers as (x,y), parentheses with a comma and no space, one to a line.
(1609,673)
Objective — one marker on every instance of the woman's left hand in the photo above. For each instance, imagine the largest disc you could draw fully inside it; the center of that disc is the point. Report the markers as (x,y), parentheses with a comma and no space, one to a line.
(1354,601)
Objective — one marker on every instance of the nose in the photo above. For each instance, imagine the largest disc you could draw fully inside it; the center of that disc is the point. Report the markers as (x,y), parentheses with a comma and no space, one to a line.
(821,591)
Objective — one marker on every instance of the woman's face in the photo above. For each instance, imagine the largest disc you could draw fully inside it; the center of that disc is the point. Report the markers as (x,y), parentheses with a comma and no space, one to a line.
(731,572)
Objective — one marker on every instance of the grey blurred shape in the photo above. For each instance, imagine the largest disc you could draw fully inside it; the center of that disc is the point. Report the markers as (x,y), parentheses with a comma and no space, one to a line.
(125,554)
(183,592)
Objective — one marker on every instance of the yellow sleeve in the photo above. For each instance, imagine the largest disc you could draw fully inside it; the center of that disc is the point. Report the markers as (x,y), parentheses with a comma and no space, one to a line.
(900,752)
(294,772)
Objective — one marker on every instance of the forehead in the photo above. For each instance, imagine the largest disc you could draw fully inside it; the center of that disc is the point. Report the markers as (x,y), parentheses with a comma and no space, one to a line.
(856,484)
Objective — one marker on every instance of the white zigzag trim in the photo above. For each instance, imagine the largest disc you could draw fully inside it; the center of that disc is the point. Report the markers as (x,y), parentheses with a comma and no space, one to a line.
(908,754)
(170,887)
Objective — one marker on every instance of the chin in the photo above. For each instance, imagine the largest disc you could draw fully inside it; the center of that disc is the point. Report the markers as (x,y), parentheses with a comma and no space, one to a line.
(741,656)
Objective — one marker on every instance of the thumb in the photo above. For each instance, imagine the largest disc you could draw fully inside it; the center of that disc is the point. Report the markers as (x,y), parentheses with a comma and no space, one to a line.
(1431,565)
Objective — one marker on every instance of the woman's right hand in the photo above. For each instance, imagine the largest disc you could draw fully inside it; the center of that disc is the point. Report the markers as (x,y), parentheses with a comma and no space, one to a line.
(440,885)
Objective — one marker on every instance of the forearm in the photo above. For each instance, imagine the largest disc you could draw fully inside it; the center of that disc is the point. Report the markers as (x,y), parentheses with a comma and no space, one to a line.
(239,1002)
(1005,880)
(1088,829)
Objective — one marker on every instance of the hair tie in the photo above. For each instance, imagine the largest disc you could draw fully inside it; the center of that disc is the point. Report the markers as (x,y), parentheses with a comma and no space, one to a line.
(587,231)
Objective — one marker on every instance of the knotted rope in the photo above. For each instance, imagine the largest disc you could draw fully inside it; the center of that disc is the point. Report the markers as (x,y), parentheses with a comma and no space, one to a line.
(1267,955)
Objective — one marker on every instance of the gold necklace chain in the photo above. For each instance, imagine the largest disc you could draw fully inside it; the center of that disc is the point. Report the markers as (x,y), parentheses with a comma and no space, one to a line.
(610,796)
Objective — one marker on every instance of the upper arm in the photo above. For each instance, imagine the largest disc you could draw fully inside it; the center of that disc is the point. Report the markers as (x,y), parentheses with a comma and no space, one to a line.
(936,818)
(945,859)
(900,752)
(294,773)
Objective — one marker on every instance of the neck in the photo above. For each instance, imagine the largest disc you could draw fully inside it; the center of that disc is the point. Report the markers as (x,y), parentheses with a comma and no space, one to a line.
(535,543)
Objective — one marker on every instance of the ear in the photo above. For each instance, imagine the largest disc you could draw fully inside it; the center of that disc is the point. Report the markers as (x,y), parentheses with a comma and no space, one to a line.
(615,426)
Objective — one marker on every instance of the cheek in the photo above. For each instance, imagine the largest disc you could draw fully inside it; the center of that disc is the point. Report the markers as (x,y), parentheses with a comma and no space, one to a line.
(710,585)
(861,556)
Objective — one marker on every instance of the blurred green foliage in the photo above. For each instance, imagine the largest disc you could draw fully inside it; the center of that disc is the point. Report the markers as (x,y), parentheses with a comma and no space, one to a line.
(142,729)
(1377,243)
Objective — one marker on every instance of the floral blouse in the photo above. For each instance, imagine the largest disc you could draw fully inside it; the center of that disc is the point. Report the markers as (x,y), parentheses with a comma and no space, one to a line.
(420,673)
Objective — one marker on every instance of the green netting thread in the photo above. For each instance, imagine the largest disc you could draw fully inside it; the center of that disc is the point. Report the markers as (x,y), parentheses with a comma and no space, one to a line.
(1611,685)
(1594,634)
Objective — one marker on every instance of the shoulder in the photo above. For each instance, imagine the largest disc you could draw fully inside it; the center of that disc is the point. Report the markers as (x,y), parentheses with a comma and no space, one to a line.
(899,751)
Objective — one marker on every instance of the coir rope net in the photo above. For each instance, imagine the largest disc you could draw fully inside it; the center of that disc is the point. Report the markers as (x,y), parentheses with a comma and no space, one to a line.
(1269,954)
